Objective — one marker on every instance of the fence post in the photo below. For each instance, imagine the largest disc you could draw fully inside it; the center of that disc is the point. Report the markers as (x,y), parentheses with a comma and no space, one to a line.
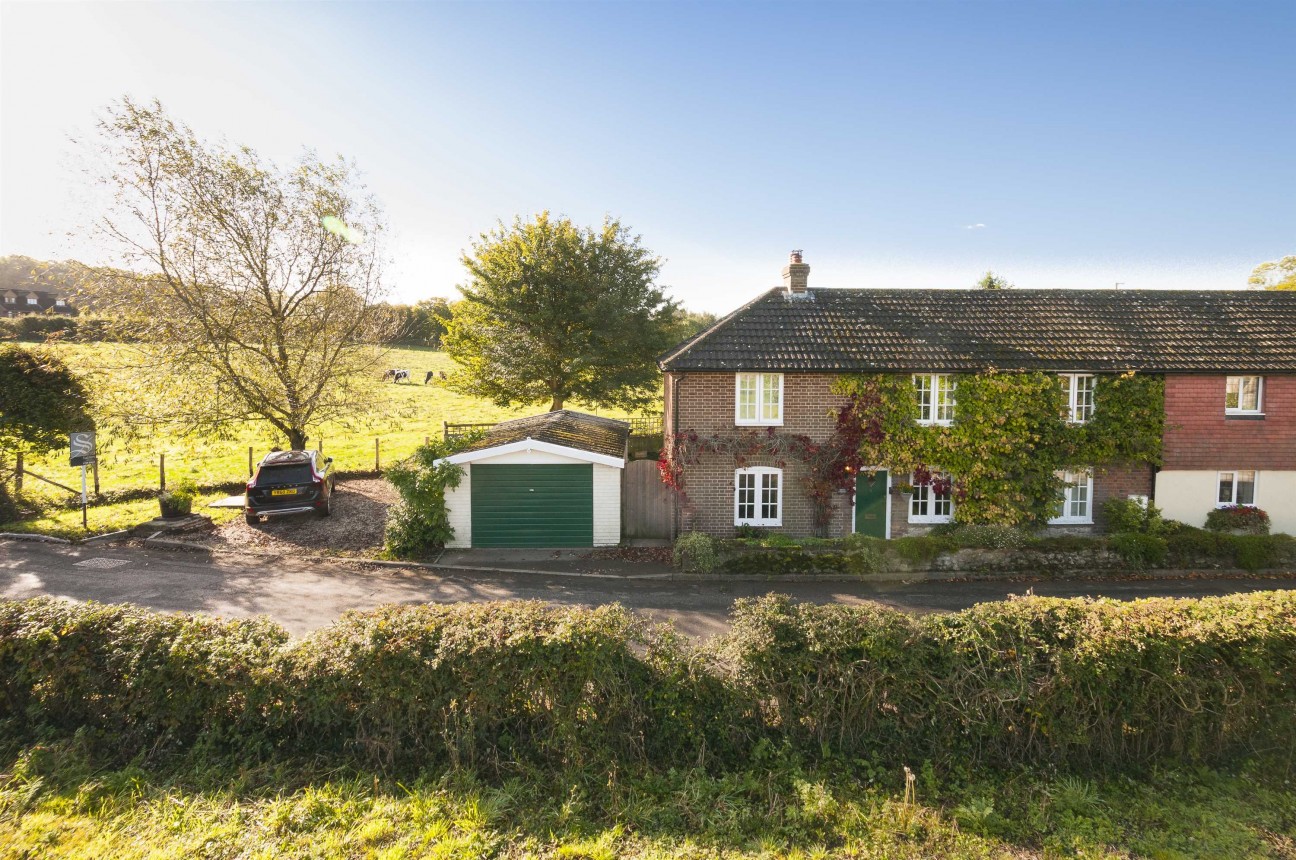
(377,459)
(321,445)
(18,475)
(95,466)
(162,471)
(249,461)
(445,431)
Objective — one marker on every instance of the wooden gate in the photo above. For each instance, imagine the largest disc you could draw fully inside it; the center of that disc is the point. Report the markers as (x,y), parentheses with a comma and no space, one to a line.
(647,505)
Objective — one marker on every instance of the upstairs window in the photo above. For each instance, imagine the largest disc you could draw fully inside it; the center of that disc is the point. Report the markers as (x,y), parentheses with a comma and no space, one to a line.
(1236,488)
(935,394)
(1076,502)
(1243,395)
(59,303)
(1079,388)
(11,300)
(32,300)
(758,398)
(932,502)
(758,497)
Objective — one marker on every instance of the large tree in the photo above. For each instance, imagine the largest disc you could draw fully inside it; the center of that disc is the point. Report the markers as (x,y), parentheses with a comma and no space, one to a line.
(258,286)
(1276,274)
(556,312)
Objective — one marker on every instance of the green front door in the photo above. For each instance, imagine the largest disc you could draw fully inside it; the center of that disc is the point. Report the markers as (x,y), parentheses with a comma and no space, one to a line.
(871,504)
(539,506)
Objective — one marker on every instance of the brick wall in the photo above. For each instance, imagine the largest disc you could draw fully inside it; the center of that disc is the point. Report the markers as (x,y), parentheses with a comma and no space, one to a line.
(1199,435)
(1119,481)
(705,403)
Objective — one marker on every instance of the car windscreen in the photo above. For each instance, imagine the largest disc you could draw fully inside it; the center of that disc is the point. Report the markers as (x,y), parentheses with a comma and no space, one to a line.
(288,473)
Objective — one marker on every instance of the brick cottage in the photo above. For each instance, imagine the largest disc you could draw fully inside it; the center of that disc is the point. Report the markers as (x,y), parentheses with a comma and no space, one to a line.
(1228,359)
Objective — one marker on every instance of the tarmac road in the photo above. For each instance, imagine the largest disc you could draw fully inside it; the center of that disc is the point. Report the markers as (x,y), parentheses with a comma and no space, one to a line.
(304,594)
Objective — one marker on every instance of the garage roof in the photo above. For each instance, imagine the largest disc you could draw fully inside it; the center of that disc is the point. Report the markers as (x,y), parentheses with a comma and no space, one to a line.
(564,428)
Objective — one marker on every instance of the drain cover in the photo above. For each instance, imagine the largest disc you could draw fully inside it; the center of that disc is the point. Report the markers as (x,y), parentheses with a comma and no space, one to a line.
(102,563)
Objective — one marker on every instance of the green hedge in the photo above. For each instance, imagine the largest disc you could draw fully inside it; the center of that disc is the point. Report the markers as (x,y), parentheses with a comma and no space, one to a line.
(1174,546)
(1036,680)
(1090,684)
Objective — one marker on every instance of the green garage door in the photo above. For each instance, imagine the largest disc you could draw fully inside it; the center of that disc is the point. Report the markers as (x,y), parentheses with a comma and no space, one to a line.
(533,505)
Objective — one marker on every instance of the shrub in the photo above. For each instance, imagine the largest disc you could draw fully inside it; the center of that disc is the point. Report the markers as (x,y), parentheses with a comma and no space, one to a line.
(420,522)
(1238,518)
(1127,515)
(1139,550)
(987,536)
(696,552)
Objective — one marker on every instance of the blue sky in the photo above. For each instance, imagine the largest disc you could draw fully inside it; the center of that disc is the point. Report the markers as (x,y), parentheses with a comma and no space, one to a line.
(1152,144)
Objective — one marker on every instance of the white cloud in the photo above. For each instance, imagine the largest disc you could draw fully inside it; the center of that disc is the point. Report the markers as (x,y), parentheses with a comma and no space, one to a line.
(974,227)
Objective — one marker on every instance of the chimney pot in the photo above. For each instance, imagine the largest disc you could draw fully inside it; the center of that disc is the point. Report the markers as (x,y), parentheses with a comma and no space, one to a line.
(796,274)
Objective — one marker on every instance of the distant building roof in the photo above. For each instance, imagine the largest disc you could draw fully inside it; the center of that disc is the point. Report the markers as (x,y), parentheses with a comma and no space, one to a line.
(838,330)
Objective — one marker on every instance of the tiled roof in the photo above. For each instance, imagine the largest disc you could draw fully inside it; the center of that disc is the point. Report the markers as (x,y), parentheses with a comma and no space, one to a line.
(564,427)
(970,330)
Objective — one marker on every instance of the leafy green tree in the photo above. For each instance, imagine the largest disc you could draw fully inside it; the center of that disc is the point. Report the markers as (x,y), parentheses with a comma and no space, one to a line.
(41,402)
(991,281)
(692,323)
(1276,274)
(555,312)
(257,290)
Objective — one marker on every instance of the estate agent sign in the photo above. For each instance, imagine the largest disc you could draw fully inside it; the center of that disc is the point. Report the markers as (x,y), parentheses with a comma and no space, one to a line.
(83,449)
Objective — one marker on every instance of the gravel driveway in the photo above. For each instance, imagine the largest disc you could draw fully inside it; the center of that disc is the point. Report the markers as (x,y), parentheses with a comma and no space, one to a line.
(354,529)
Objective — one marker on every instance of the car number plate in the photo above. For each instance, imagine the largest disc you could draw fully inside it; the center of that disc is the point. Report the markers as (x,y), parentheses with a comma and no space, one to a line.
(283,492)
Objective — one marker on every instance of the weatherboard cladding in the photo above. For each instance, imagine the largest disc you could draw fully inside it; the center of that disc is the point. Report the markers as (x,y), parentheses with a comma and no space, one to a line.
(972,330)
(565,427)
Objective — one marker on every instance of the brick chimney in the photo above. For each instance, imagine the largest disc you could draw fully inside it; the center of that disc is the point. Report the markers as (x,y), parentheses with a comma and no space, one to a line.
(796,274)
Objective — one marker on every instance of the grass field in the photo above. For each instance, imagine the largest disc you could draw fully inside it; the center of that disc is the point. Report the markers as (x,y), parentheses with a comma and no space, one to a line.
(404,415)
(55,803)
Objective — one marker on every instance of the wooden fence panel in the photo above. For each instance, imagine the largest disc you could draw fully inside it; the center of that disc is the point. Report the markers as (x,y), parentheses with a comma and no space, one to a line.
(647,505)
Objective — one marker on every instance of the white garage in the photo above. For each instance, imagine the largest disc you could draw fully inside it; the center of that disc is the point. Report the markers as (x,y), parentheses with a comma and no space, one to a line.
(551,480)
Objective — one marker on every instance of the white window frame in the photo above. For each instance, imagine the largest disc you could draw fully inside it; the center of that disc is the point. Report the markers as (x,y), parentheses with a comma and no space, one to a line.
(60,303)
(762,417)
(1072,480)
(941,389)
(32,300)
(922,495)
(1071,382)
(1255,487)
(758,474)
(11,300)
(1239,410)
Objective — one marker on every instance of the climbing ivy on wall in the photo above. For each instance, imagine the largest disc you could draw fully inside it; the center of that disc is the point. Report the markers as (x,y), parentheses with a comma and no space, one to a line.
(1009,437)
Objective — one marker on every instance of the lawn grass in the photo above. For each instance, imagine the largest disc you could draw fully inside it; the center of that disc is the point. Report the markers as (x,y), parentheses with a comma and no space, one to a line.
(404,415)
(55,802)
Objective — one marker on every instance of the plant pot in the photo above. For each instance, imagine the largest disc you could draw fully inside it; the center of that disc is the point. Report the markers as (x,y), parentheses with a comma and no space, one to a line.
(174,508)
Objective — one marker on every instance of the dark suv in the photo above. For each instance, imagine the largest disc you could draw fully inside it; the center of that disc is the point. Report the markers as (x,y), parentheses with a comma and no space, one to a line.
(290,482)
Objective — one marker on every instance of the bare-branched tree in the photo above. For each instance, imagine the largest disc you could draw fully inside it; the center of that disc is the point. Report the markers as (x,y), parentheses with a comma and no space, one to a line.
(258,288)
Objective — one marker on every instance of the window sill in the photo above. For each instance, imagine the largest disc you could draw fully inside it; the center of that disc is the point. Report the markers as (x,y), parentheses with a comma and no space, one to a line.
(1071,522)
(738,423)
(929,521)
(1244,416)
(949,423)
(759,524)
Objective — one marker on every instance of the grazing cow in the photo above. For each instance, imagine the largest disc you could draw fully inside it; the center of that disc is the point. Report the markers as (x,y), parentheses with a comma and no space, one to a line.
(443,376)
(428,378)
(396,375)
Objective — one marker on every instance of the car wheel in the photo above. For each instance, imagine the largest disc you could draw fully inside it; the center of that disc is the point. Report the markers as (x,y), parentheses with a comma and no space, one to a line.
(328,506)
(252,519)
